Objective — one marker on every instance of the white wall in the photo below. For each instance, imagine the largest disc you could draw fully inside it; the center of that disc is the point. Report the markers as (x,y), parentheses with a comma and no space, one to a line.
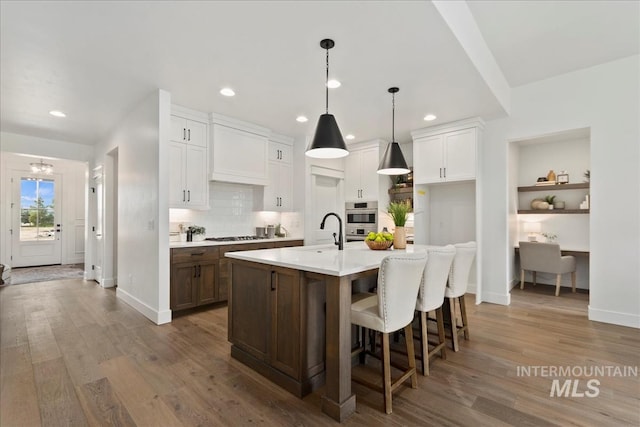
(605,99)
(73,181)
(142,139)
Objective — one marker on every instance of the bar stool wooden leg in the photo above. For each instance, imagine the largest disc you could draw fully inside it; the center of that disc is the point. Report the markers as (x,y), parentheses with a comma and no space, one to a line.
(463,314)
(558,280)
(441,337)
(454,325)
(534,277)
(521,278)
(386,372)
(411,355)
(424,343)
(573,281)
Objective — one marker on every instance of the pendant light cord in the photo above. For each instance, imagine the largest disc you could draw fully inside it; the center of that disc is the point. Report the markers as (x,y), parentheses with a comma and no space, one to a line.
(326,86)
(393,117)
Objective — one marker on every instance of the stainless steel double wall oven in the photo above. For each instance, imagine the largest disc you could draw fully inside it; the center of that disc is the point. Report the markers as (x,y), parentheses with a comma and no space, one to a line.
(362,217)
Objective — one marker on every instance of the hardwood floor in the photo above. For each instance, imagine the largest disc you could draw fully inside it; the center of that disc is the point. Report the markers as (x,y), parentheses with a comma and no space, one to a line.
(73,354)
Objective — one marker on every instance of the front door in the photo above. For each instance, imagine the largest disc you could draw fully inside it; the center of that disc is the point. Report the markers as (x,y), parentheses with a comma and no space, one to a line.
(36,220)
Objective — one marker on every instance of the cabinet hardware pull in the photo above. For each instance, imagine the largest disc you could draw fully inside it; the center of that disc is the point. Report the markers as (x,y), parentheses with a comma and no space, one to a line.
(189,133)
(445,172)
(188,195)
(195,271)
(199,271)
(197,253)
(273,280)
(440,172)
(184,134)
(184,196)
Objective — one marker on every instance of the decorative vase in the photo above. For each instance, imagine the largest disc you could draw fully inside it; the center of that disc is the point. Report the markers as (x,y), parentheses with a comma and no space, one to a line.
(551,176)
(198,237)
(400,238)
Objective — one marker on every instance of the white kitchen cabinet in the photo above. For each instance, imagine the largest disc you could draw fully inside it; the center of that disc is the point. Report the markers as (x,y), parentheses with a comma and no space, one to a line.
(238,156)
(361,176)
(445,157)
(278,193)
(188,131)
(188,184)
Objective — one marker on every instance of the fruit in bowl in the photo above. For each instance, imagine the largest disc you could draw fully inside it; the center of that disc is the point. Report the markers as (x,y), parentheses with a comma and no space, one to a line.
(379,241)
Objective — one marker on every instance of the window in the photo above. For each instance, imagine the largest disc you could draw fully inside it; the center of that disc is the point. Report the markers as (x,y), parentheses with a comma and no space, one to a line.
(36,209)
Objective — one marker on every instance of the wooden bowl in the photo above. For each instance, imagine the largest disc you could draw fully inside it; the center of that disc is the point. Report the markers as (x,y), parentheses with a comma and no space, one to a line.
(379,246)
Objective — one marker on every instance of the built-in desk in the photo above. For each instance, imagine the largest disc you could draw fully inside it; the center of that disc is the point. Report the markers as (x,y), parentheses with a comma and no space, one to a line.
(574,252)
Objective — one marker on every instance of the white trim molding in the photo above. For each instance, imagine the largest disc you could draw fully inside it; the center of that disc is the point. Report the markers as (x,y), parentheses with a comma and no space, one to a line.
(157,317)
(614,317)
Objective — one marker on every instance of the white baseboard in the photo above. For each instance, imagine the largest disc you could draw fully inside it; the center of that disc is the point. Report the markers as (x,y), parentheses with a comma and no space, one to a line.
(614,317)
(496,298)
(157,317)
(108,283)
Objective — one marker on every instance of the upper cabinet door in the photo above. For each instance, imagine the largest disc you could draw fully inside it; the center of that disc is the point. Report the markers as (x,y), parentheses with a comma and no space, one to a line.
(196,177)
(352,176)
(369,177)
(460,155)
(428,159)
(177,190)
(197,133)
(280,152)
(178,129)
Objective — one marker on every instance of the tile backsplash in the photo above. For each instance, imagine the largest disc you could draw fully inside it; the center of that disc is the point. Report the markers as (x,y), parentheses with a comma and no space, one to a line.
(231,213)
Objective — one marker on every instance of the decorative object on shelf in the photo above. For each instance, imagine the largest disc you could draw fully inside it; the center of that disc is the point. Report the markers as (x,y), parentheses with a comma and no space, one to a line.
(551,237)
(42,168)
(539,204)
(327,142)
(551,176)
(393,162)
(562,178)
(542,179)
(558,204)
(586,203)
(587,175)
(532,228)
(399,212)
(549,200)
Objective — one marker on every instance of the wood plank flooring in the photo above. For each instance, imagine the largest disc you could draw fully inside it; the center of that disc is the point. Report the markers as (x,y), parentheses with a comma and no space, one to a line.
(73,354)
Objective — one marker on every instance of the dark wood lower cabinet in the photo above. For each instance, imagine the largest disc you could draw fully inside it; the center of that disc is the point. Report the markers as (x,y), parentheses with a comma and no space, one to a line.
(276,324)
(201,275)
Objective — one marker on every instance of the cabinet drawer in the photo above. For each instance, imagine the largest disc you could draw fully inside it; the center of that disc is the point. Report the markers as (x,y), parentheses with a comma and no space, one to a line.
(197,254)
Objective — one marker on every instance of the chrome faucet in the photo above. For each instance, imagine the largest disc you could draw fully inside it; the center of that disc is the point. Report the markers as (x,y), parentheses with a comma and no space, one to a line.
(339,240)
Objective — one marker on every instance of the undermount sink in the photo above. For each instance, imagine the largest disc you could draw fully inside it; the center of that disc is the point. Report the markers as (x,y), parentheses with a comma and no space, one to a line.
(317,249)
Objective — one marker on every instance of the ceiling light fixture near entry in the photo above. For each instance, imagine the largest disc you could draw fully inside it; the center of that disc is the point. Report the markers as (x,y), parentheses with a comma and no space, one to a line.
(57,113)
(42,167)
(429,117)
(393,162)
(327,143)
(227,91)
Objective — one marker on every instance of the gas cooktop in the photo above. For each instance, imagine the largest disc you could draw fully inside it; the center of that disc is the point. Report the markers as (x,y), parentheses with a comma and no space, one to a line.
(234,238)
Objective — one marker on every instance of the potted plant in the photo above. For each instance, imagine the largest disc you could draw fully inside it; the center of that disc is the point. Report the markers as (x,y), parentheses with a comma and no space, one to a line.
(399,212)
(197,232)
(550,199)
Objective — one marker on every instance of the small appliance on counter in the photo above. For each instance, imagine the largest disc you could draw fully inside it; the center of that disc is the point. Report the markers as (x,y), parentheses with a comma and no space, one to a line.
(261,232)
(271,231)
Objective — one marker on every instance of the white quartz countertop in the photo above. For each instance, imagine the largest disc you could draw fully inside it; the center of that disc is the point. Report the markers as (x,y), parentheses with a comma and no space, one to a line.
(233,242)
(324,259)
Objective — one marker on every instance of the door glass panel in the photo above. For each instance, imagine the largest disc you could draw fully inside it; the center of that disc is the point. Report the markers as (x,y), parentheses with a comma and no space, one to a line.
(37,217)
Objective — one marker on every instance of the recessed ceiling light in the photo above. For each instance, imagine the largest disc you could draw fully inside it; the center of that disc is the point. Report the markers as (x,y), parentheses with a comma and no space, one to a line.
(227,91)
(57,113)
(350,137)
(429,117)
(332,84)
(301,119)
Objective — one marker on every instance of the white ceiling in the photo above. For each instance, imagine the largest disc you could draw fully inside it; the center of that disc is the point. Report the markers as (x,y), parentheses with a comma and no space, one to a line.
(96,60)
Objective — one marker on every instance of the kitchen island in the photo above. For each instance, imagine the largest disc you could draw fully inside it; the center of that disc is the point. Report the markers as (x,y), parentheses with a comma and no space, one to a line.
(278,324)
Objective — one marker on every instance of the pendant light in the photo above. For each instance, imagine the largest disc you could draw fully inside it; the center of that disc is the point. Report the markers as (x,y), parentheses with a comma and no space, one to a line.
(327,143)
(393,162)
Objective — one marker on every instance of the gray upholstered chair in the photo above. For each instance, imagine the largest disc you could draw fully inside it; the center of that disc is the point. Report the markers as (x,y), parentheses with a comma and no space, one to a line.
(546,258)
(390,310)
(457,288)
(431,298)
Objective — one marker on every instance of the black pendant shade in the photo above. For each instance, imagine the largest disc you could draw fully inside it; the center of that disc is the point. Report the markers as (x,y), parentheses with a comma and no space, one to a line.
(327,143)
(393,162)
